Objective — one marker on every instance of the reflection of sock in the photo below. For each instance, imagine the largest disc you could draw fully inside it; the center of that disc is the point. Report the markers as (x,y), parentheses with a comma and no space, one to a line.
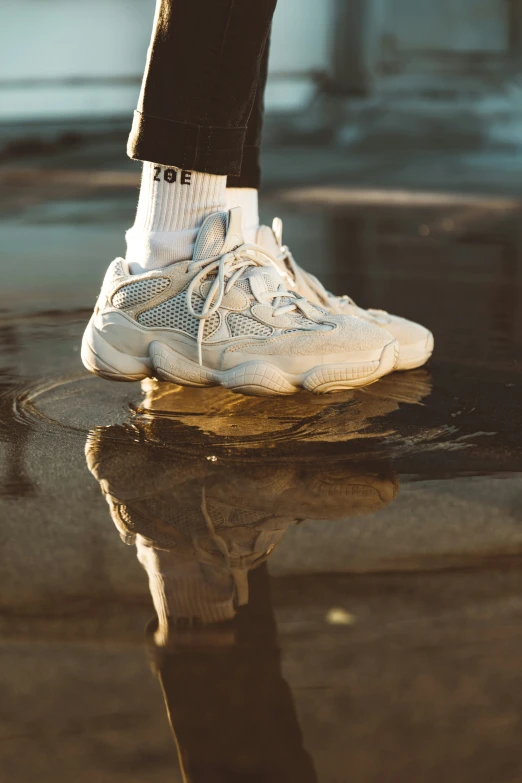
(172,206)
(247,199)
(186,590)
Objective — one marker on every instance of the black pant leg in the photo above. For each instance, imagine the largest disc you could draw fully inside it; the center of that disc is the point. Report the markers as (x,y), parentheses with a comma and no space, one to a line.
(250,176)
(232,712)
(203,69)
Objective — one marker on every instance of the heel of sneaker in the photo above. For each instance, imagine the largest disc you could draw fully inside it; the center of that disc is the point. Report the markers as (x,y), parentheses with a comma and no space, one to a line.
(102,359)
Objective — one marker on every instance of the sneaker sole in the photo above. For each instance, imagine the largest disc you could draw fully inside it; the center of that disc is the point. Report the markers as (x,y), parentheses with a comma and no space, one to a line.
(260,378)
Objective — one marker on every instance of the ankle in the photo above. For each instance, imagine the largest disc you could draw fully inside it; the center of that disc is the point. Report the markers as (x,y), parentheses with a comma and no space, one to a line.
(172,206)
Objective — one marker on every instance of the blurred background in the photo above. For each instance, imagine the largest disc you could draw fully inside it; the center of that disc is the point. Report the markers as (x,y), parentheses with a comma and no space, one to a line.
(439,73)
(369,102)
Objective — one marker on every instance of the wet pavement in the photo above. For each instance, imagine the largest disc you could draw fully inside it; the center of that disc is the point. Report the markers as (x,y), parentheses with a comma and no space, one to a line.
(206,587)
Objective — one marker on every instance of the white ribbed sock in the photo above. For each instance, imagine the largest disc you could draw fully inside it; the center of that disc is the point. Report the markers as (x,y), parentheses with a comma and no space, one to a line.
(247,199)
(171,208)
(182,588)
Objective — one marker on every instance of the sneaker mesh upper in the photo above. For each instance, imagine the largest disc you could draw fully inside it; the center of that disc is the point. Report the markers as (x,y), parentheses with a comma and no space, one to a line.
(173,314)
(212,242)
(244,285)
(271,284)
(243,325)
(138,292)
(152,519)
(189,520)
(243,516)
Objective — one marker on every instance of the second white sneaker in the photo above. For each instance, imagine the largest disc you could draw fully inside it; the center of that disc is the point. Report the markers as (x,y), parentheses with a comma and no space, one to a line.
(415,341)
(225,317)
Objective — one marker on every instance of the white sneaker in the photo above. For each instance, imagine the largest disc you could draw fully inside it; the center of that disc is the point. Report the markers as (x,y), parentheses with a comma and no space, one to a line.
(415,341)
(226,318)
(200,527)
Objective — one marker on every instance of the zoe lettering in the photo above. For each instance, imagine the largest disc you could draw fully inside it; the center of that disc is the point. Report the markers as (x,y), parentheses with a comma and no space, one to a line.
(171,175)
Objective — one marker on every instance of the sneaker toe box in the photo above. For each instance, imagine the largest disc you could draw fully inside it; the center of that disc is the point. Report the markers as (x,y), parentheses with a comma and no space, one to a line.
(356,334)
(416,341)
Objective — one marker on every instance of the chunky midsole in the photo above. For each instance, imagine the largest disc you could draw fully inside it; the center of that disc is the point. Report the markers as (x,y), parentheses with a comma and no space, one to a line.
(260,376)
(162,354)
(127,337)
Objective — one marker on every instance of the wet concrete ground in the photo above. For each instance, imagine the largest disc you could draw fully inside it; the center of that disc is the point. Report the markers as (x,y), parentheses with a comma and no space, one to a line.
(343,575)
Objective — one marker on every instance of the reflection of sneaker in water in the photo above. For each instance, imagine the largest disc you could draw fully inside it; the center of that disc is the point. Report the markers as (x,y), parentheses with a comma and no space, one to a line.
(225,318)
(200,526)
(415,341)
(213,417)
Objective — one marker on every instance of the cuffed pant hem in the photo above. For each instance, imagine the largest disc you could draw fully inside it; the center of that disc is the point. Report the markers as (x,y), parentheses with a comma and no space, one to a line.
(250,176)
(187,146)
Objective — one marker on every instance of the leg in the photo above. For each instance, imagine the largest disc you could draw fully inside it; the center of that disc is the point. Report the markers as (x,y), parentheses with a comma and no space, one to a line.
(192,118)
(189,251)
(204,64)
(232,713)
(242,190)
(250,176)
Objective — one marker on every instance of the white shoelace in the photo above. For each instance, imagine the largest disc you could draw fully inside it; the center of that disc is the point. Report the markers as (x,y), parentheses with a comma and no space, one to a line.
(236,563)
(317,287)
(229,268)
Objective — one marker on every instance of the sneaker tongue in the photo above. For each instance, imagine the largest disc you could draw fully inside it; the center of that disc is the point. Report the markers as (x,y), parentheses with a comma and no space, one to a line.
(267,240)
(219,234)
(264,278)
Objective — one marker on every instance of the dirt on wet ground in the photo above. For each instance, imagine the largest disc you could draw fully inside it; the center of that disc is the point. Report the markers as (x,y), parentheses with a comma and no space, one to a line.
(301,589)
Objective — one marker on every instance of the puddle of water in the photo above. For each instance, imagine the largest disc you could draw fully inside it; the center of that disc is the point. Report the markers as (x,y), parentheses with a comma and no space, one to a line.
(319,579)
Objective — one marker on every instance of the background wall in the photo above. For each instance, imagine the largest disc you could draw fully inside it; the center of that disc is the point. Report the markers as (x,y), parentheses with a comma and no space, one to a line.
(61,58)
(449,71)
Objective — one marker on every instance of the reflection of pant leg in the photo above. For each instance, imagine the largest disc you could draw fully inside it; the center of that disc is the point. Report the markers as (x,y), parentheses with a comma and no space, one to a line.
(230,708)
(250,176)
(278,735)
(202,72)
